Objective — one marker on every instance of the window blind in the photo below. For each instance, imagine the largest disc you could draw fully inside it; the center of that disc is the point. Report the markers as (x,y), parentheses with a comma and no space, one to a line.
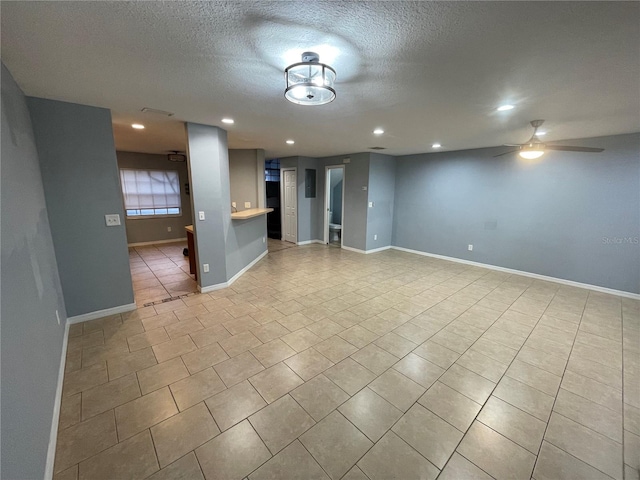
(150,189)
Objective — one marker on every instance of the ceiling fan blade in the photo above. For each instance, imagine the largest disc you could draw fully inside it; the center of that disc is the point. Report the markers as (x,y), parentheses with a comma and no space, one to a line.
(566,148)
(505,153)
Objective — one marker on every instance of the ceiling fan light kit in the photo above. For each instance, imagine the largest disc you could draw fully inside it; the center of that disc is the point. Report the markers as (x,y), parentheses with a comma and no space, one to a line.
(531,153)
(310,82)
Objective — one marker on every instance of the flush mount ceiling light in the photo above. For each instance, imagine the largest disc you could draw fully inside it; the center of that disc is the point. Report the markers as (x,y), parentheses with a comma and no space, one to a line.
(310,82)
(436,145)
(137,126)
(378,131)
(228,120)
(290,142)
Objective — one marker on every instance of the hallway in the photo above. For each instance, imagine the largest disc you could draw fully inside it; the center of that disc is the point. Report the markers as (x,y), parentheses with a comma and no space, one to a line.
(159,272)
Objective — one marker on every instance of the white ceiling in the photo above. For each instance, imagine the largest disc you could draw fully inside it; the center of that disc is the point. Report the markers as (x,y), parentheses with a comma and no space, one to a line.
(424,71)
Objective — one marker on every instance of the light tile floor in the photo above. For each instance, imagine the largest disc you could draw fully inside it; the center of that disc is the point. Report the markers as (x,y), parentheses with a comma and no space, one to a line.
(160,271)
(322,363)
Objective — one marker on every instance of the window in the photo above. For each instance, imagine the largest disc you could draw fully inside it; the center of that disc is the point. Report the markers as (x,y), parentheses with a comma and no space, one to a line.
(150,192)
(272,170)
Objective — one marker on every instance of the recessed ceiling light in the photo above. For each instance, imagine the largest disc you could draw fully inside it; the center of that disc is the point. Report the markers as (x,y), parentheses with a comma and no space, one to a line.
(290,142)
(378,131)
(504,108)
(137,126)
(228,120)
(436,145)
(540,134)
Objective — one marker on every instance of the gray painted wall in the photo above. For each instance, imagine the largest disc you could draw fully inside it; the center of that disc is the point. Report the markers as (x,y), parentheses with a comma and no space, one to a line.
(382,172)
(155,229)
(31,293)
(227,246)
(564,216)
(356,176)
(82,185)
(243,178)
(308,228)
(209,179)
(245,241)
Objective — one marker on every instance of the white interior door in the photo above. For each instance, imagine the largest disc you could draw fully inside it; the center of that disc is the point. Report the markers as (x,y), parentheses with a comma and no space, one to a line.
(290,227)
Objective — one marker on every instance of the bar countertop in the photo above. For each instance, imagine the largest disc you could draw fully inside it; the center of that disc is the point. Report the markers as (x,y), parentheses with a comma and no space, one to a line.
(250,213)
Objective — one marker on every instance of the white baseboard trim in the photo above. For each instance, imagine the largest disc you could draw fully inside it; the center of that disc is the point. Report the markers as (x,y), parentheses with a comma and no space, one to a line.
(376,250)
(55,421)
(537,276)
(143,244)
(308,242)
(102,313)
(244,270)
(351,249)
(366,252)
(228,283)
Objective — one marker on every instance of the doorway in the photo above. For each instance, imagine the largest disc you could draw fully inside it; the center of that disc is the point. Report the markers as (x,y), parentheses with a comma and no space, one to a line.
(334,205)
(290,205)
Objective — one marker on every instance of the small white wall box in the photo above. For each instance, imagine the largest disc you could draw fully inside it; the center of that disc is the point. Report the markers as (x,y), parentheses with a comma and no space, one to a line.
(112,220)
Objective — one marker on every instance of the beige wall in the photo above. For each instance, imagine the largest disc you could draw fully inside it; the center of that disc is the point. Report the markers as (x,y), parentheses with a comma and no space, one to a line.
(155,229)
(246,176)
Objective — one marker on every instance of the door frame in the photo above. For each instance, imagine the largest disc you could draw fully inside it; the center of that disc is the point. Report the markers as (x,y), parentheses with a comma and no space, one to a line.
(282,201)
(327,186)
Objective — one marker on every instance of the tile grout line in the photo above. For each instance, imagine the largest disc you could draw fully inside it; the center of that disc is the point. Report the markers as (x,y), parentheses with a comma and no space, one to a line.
(496,385)
(391,367)
(556,397)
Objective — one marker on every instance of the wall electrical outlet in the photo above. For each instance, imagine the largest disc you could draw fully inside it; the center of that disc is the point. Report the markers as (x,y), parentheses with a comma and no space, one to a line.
(375,237)
(168,229)
(247,204)
(470,247)
(205,267)
(200,215)
(233,204)
(112,220)
(371,204)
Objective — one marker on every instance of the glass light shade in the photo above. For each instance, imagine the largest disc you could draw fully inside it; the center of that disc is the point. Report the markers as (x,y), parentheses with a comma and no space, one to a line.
(531,154)
(310,82)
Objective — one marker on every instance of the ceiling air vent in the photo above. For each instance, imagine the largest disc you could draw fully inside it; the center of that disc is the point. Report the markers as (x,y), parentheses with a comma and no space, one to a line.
(176,157)
(156,112)
(377,148)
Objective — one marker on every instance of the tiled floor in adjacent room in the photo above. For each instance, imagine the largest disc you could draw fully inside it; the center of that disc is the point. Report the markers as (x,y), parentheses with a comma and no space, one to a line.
(321,363)
(160,271)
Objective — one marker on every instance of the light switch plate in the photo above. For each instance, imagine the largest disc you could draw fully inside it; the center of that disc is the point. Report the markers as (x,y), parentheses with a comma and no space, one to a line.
(200,215)
(205,267)
(247,204)
(370,204)
(112,220)
(233,204)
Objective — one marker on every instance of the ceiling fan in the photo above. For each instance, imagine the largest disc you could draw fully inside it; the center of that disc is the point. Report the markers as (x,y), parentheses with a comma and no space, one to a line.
(534,148)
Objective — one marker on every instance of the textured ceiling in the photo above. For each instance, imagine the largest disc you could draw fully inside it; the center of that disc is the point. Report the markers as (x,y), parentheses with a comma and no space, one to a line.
(424,71)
